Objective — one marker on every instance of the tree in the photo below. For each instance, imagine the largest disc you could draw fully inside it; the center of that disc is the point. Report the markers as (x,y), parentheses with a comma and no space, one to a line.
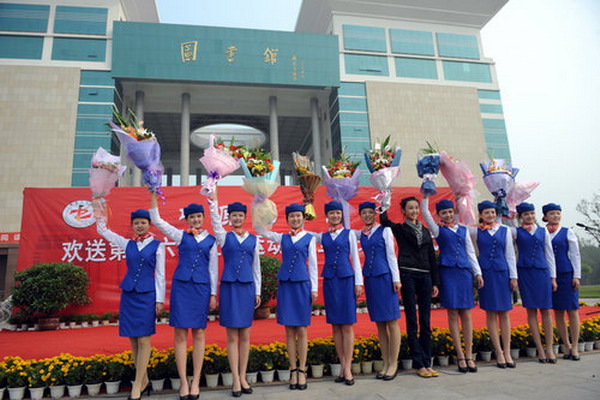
(591,211)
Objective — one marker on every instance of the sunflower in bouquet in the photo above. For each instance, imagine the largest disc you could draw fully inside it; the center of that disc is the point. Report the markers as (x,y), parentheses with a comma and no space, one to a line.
(342,167)
(309,181)
(258,161)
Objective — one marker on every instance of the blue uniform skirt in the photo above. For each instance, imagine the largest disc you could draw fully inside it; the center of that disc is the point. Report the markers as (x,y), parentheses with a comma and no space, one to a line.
(189,304)
(535,287)
(456,288)
(293,303)
(236,304)
(495,295)
(137,314)
(340,301)
(382,301)
(565,298)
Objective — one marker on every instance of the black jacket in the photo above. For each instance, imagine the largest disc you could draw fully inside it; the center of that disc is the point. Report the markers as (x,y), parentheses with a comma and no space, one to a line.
(410,254)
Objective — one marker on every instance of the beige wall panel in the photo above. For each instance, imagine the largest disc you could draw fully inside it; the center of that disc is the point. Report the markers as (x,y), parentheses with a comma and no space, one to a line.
(38,111)
(413,114)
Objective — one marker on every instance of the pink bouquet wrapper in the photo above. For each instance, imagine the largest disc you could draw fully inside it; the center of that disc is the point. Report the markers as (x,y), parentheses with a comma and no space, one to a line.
(102,180)
(219,164)
(462,183)
(521,192)
(342,190)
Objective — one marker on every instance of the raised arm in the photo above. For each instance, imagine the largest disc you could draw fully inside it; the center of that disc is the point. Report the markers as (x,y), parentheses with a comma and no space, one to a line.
(110,235)
(272,236)
(215,219)
(574,254)
(159,274)
(175,234)
(429,221)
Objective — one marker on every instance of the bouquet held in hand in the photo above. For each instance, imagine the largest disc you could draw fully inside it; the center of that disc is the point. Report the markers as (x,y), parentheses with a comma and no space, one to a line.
(428,166)
(383,161)
(342,179)
(219,160)
(499,178)
(309,181)
(462,183)
(104,174)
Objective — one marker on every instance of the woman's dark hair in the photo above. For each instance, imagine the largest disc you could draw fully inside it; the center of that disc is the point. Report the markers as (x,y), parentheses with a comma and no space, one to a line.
(480,220)
(405,201)
(544,219)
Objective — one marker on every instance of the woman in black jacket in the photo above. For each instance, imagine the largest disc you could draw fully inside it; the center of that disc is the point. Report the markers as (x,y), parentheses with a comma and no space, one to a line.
(420,280)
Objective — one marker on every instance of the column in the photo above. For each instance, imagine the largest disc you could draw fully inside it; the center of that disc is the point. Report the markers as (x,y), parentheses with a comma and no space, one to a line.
(273,128)
(136,176)
(169,173)
(185,140)
(316,134)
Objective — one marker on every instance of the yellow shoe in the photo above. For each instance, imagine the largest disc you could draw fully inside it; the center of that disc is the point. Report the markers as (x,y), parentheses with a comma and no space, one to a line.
(425,374)
(434,374)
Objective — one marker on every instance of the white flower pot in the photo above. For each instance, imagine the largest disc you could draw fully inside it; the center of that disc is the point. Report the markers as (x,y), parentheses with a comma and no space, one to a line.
(164,320)
(588,346)
(105,322)
(85,324)
(336,369)
(157,384)
(555,349)
(406,363)
(212,318)
(74,390)
(267,376)
(36,393)
(95,323)
(378,365)
(283,375)
(597,344)
(364,310)
(317,370)
(2,389)
(581,347)
(323,312)
(62,325)
(112,387)
(93,389)
(251,377)
(367,367)
(227,378)
(16,393)
(443,361)
(316,313)
(272,316)
(561,348)
(190,378)
(72,324)
(531,351)
(355,368)
(515,353)
(212,380)
(485,355)
(175,383)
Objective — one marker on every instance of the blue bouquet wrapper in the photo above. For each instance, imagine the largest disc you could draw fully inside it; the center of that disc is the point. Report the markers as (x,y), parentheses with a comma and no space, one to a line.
(428,167)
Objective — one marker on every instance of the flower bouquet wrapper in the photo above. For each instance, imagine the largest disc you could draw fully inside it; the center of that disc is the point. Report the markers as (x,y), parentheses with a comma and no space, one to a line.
(104,174)
(382,179)
(264,211)
(342,190)
(219,164)
(309,182)
(428,167)
(521,192)
(462,183)
(499,178)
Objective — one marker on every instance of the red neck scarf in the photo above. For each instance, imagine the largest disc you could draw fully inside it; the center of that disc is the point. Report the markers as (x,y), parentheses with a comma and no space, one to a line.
(239,231)
(528,227)
(333,228)
(484,226)
(194,231)
(141,238)
(552,227)
(294,232)
(448,224)
(367,229)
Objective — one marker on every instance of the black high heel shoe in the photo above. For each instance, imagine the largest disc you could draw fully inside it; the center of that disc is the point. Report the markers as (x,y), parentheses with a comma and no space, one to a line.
(390,377)
(293,386)
(247,390)
(471,369)
(304,385)
(465,369)
(146,390)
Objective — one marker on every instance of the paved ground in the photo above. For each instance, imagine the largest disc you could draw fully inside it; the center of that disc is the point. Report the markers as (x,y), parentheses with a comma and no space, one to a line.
(567,380)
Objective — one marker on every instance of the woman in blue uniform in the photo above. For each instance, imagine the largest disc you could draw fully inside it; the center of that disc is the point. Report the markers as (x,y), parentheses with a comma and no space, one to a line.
(342,284)
(497,262)
(420,279)
(142,291)
(537,277)
(382,286)
(568,274)
(298,284)
(193,291)
(239,292)
(458,265)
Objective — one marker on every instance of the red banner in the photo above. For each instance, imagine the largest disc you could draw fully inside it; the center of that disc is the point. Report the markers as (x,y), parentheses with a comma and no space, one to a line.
(58,226)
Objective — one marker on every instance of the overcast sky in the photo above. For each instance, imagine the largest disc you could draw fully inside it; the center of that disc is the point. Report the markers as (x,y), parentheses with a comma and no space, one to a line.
(547,55)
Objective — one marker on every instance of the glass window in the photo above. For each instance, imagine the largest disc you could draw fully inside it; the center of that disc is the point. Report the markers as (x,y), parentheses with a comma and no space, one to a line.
(412,42)
(488,94)
(415,68)
(466,71)
(491,108)
(461,46)
(86,20)
(96,95)
(79,49)
(353,104)
(352,89)
(366,65)
(22,47)
(364,38)
(100,78)
(24,17)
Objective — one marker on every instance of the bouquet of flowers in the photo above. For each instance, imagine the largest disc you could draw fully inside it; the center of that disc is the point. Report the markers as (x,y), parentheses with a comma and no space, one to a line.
(106,170)
(141,148)
(342,179)
(499,178)
(383,162)
(428,166)
(462,182)
(219,160)
(309,181)
(260,181)
(520,193)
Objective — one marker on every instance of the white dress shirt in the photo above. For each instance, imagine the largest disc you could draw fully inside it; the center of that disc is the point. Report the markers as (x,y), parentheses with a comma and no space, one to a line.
(509,249)
(354,258)
(548,251)
(313,270)
(435,229)
(390,251)
(221,235)
(177,236)
(573,254)
(159,269)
